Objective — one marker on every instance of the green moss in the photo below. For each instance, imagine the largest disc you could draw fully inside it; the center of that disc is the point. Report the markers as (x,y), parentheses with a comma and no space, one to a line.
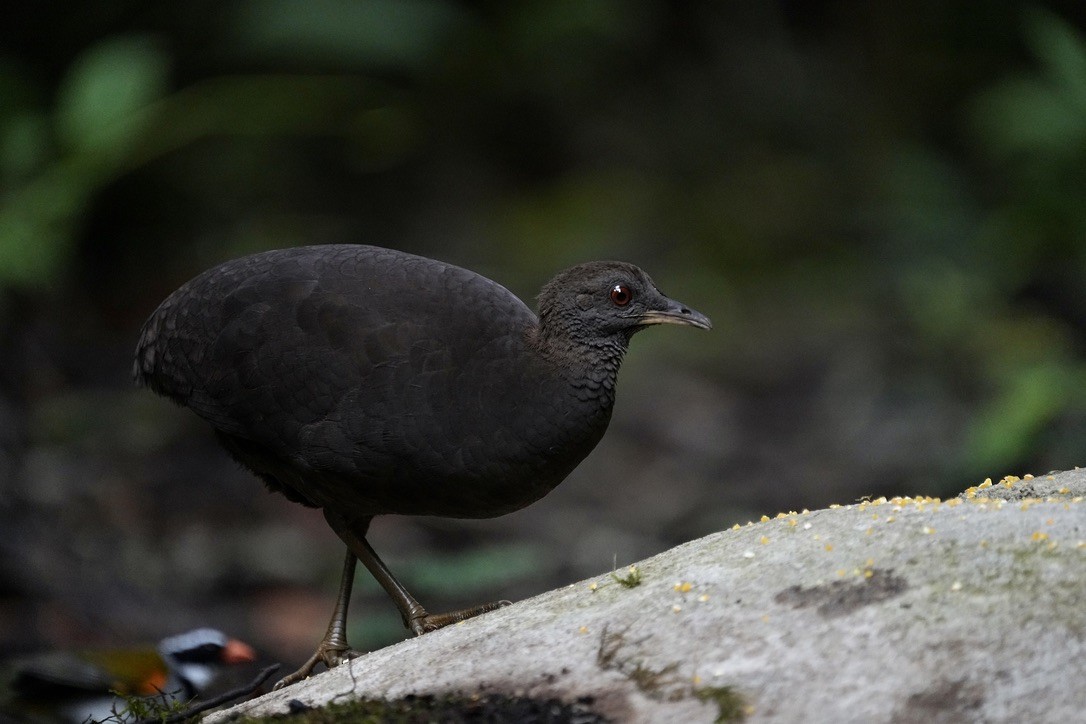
(631,579)
(363,711)
(730,705)
(657,683)
(133,708)
(444,708)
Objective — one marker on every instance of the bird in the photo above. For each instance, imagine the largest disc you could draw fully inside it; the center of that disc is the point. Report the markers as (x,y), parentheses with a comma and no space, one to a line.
(367,381)
(79,686)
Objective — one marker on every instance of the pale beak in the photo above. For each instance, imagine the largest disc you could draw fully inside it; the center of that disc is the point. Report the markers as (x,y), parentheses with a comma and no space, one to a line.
(676,313)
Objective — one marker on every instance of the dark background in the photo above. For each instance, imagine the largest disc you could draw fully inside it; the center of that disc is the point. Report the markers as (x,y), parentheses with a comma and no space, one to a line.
(880,205)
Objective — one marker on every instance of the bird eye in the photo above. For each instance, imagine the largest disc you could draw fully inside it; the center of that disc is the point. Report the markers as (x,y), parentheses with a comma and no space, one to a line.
(621,295)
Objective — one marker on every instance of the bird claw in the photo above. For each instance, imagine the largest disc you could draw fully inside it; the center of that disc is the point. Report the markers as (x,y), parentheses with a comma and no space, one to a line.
(331,654)
(427,622)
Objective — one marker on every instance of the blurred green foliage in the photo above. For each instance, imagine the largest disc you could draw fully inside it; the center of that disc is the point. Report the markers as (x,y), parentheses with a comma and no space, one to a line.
(912,169)
(1039,117)
(880,205)
(390,34)
(56,159)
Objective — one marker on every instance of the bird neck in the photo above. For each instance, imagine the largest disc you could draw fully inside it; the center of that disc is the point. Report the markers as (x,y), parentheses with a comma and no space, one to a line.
(585,360)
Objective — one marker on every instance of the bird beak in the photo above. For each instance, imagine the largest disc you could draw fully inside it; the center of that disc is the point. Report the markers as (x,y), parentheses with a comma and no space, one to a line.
(676,313)
(237,652)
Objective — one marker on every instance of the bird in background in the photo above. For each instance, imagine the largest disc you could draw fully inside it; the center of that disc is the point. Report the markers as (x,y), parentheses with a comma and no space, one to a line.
(365,381)
(69,686)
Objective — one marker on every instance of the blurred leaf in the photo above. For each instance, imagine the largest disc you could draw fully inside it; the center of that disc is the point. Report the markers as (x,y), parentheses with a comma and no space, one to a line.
(383,33)
(1062,50)
(1007,430)
(35,226)
(258,105)
(100,110)
(1042,112)
(100,101)
(24,127)
(24,145)
(1025,115)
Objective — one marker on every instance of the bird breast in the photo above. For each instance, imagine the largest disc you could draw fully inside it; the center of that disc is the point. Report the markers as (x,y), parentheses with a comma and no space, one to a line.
(477,440)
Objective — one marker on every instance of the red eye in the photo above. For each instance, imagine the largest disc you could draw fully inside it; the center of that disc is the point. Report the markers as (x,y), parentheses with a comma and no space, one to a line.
(620,295)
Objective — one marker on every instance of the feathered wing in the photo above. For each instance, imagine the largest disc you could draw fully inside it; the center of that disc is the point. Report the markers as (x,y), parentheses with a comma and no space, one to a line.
(302,354)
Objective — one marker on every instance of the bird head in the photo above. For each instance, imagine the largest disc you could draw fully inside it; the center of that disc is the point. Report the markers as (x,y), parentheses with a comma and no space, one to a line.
(608,301)
(195,657)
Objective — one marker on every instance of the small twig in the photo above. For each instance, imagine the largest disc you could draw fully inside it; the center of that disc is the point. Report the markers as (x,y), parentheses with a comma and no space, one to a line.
(229,696)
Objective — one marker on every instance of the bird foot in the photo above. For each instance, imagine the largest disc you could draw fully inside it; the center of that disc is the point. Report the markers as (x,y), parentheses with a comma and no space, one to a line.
(426,622)
(331,653)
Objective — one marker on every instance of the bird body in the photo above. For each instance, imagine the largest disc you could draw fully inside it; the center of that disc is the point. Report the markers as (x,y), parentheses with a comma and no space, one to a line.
(376,381)
(78,686)
(366,381)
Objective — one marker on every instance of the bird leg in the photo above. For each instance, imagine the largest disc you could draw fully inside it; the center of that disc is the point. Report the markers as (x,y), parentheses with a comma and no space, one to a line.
(414,615)
(333,649)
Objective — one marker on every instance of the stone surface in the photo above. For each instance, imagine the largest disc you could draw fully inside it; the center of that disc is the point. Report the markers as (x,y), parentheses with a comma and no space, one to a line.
(904,610)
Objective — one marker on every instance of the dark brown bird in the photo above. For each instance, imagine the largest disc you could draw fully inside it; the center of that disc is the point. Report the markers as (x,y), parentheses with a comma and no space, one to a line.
(365,381)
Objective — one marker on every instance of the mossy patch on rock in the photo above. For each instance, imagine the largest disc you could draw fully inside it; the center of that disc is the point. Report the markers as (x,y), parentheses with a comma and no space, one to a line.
(451,708)
(730,705)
